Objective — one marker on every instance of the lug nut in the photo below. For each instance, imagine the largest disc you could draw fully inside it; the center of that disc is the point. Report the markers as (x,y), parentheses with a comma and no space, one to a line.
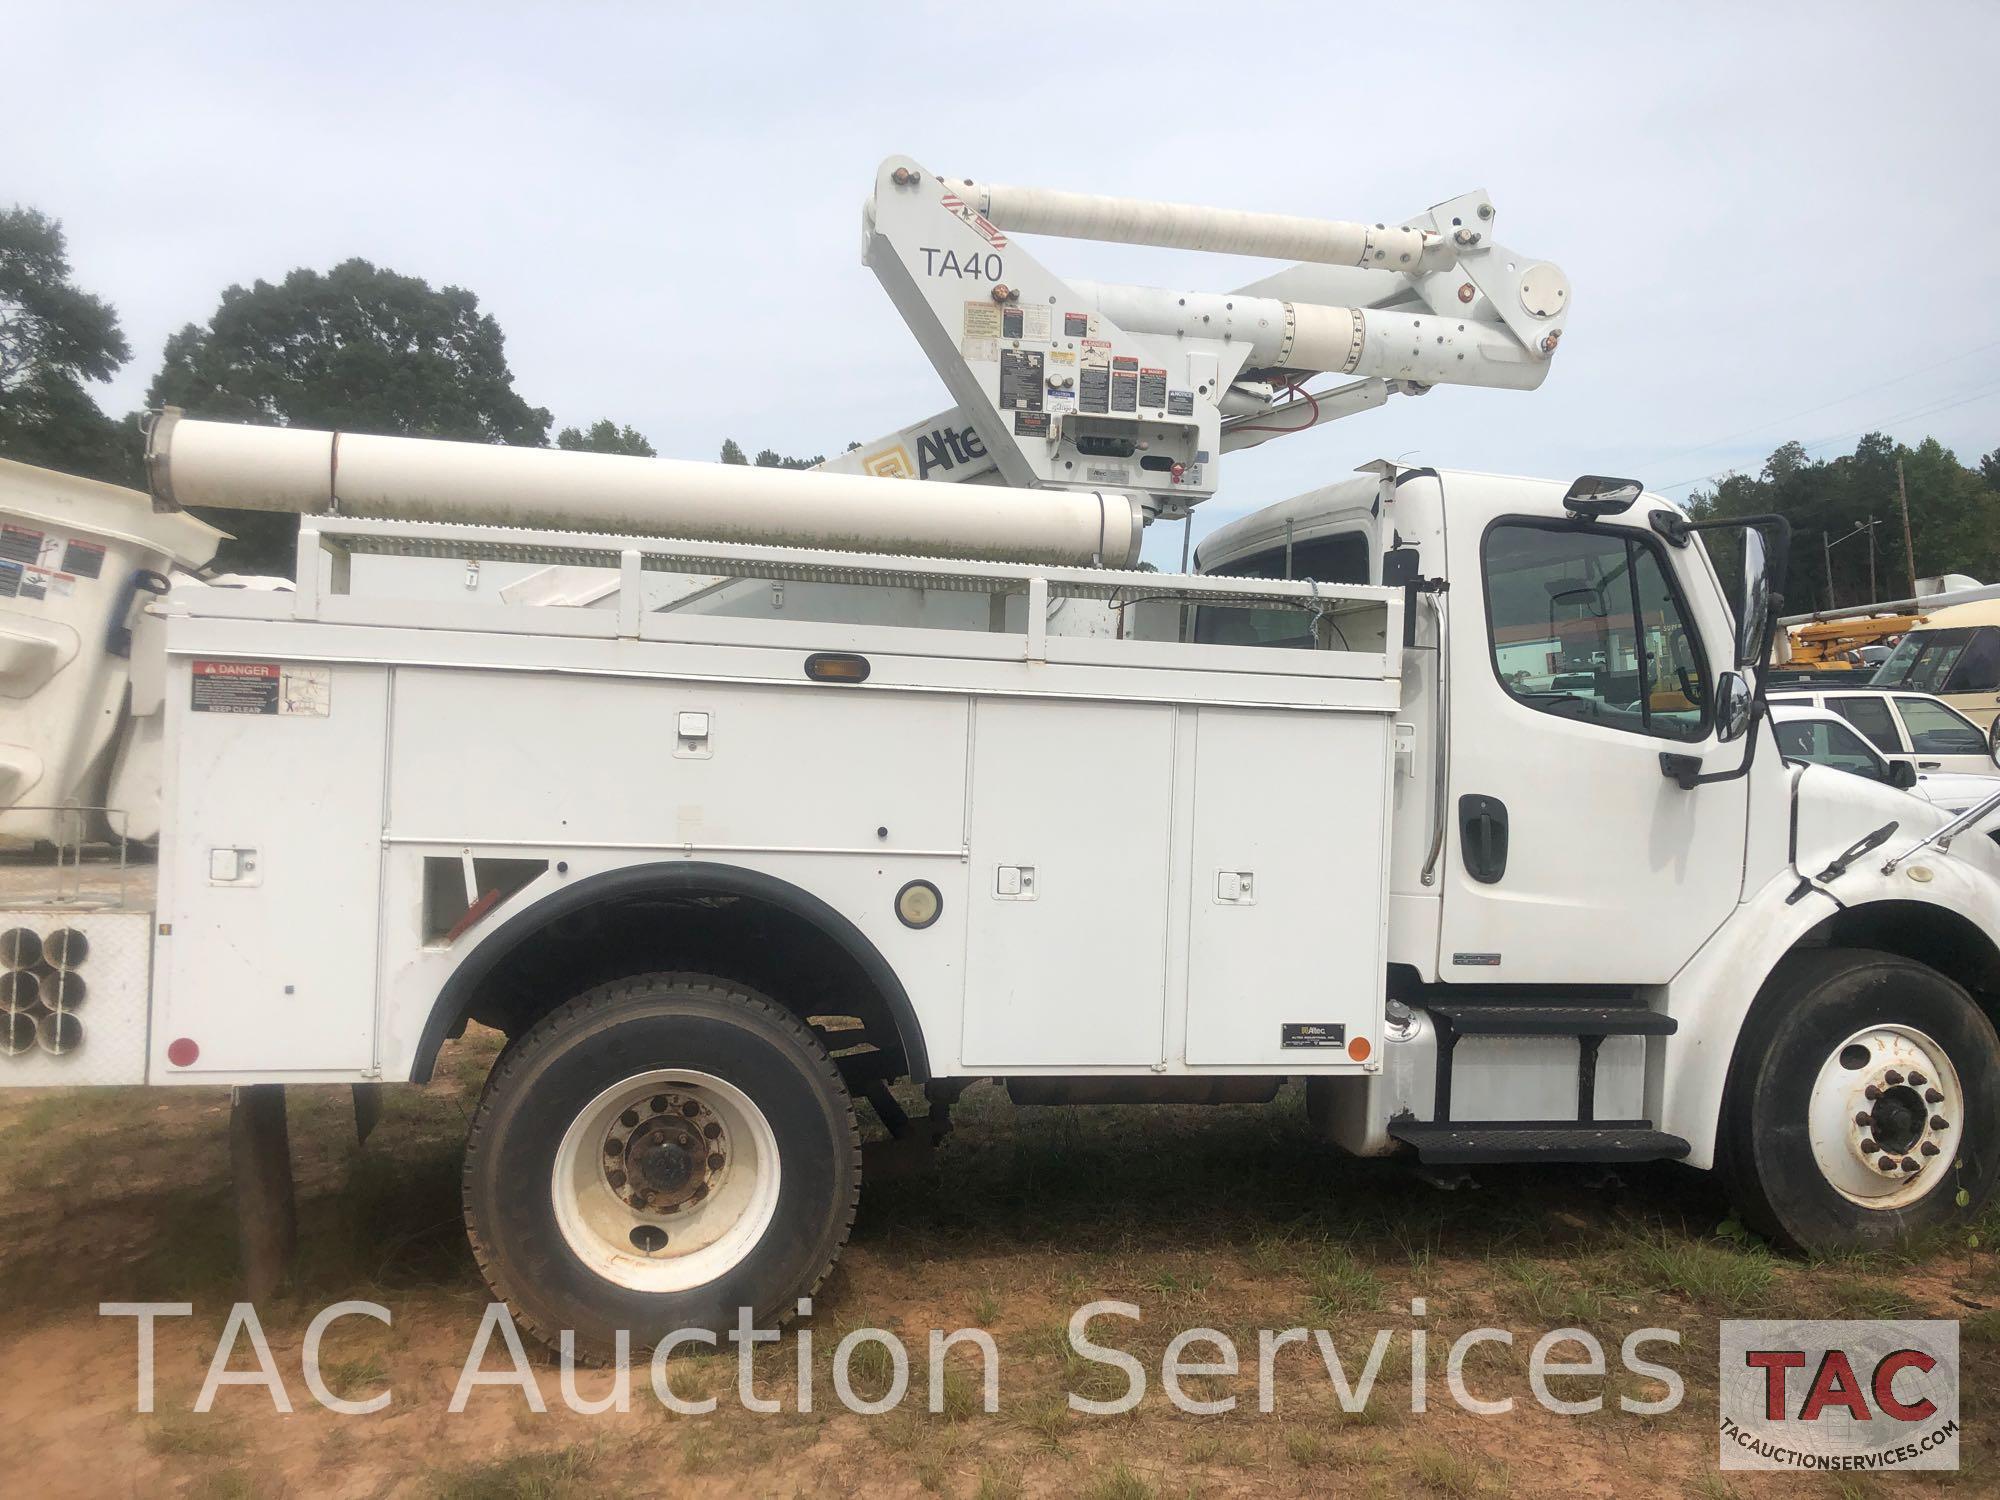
(1939,1122)
(1932,1096)
(1909,1164)
(1892,1076)
(1917,1080)
(1929,1148)
(1870,1147)
(1871,1092)
(1864,1119)
(1887,1163)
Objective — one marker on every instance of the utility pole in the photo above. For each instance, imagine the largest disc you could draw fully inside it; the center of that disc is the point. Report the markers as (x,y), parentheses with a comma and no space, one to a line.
(1874,594)
(1826,546)
(1909,547)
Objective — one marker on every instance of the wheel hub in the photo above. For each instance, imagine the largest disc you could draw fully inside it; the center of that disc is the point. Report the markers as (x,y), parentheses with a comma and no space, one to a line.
(1887,1116)
(665,1154)
(665,1180)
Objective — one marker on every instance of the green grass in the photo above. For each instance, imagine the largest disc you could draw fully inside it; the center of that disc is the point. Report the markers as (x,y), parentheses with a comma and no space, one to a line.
(1339,1283)
(1444,1472)
(1711,1275)
(1119,1482)
(185,1434)
(1556,1293)
(560,1474)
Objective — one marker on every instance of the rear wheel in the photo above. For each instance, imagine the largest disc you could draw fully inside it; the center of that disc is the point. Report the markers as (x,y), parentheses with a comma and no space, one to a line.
(655,1155)
(1862,1101)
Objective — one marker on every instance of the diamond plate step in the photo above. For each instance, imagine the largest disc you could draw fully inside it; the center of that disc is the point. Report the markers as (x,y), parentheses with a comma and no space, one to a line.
(1518,1141)
(1489,1018)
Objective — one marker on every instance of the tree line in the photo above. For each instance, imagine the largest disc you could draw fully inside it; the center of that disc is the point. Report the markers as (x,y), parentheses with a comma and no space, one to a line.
(1841,506)
(359,347)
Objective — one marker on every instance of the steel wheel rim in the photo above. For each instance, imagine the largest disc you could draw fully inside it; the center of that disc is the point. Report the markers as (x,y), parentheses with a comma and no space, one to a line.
(638,1192)
(1886,1116)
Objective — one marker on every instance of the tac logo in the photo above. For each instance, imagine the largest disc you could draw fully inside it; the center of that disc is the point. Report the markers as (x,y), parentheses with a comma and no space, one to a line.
(1839,1396)
(890,463)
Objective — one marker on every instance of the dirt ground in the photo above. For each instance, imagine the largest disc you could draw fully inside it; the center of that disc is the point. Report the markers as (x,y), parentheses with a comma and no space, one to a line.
(1227,1218)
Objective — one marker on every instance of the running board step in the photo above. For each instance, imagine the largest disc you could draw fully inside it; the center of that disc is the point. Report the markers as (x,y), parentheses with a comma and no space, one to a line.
(1516,1141)
(1490,1018)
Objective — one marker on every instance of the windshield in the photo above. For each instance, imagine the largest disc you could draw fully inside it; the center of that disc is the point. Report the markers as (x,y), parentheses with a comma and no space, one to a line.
(1963,659)
(1827,742)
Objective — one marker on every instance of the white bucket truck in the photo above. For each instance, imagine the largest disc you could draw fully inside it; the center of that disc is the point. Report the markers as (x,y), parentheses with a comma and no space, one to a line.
(1447,793)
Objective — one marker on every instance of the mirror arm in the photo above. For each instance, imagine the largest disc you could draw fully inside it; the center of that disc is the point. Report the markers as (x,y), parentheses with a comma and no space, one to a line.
(1685,770)
(1677,529)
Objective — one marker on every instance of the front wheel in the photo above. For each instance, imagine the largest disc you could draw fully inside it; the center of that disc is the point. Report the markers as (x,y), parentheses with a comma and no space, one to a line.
(655,1155)
(1861,1103)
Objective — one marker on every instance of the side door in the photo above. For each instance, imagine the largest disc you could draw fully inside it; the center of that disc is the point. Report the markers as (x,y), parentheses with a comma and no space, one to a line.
(1869,713)
(1940,737)
(1578,656)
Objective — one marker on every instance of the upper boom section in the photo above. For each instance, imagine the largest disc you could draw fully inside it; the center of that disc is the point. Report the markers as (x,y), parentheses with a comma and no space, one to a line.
(1069,384)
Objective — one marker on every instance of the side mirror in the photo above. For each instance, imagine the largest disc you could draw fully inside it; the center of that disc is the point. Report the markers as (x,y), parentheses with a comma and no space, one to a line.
(1751,625)
(1993,741)
(1734,702)
(1597,495)
(1902,774)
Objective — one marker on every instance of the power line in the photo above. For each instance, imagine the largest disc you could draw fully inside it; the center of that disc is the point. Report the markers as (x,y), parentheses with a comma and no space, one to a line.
(1837,401)
(1928,409)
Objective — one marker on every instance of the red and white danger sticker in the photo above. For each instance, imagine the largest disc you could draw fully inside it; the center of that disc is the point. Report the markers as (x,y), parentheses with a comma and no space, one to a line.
(261,687)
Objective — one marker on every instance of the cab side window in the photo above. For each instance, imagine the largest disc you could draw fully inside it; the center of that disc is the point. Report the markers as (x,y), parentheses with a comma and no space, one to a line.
(1340,558)
(1936,730)
(1585,624)
(1978,669)
(1869,715)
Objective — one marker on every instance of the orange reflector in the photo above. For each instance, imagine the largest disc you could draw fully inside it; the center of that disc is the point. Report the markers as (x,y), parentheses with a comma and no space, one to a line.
(1358,1049)
(836,666)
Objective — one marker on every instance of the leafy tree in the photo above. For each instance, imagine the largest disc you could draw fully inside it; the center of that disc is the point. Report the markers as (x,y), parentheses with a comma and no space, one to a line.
(605,436)
(1954,517)
(53,337)
(770,458)
(356,348)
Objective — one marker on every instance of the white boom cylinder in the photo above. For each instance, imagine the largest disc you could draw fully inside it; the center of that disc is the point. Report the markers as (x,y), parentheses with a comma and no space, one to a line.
(195,463)
(1186,226)
(1386,343)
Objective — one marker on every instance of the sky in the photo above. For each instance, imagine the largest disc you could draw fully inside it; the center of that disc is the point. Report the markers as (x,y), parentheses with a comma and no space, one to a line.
(1779,221)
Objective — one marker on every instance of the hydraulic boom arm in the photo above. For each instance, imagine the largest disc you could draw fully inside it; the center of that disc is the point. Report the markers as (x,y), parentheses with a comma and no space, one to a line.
(1071,384)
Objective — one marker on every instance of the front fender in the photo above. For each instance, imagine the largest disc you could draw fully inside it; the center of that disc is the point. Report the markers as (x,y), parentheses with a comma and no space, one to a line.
(1712,995)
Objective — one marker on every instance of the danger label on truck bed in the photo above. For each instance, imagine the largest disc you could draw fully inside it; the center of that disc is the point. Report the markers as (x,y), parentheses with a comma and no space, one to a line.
(261,687)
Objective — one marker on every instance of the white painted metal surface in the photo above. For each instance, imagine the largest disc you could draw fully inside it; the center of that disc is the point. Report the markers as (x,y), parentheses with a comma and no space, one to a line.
(1137,221)
(531,732)
(315,473)
(69,551)
(1067,384)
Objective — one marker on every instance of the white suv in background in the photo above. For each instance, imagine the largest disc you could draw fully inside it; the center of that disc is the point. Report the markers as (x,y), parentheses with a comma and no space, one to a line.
(1928,733)
(1812,734)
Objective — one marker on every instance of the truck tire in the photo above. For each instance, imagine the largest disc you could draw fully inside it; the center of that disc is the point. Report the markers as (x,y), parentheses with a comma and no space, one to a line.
(654,1155)
(1861,1100)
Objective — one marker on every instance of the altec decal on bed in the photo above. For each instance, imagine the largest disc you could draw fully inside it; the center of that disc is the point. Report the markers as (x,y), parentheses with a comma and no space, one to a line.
(261,687)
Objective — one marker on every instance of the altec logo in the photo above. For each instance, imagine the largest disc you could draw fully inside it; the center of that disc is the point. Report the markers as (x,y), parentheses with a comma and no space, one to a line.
(1839,1396)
